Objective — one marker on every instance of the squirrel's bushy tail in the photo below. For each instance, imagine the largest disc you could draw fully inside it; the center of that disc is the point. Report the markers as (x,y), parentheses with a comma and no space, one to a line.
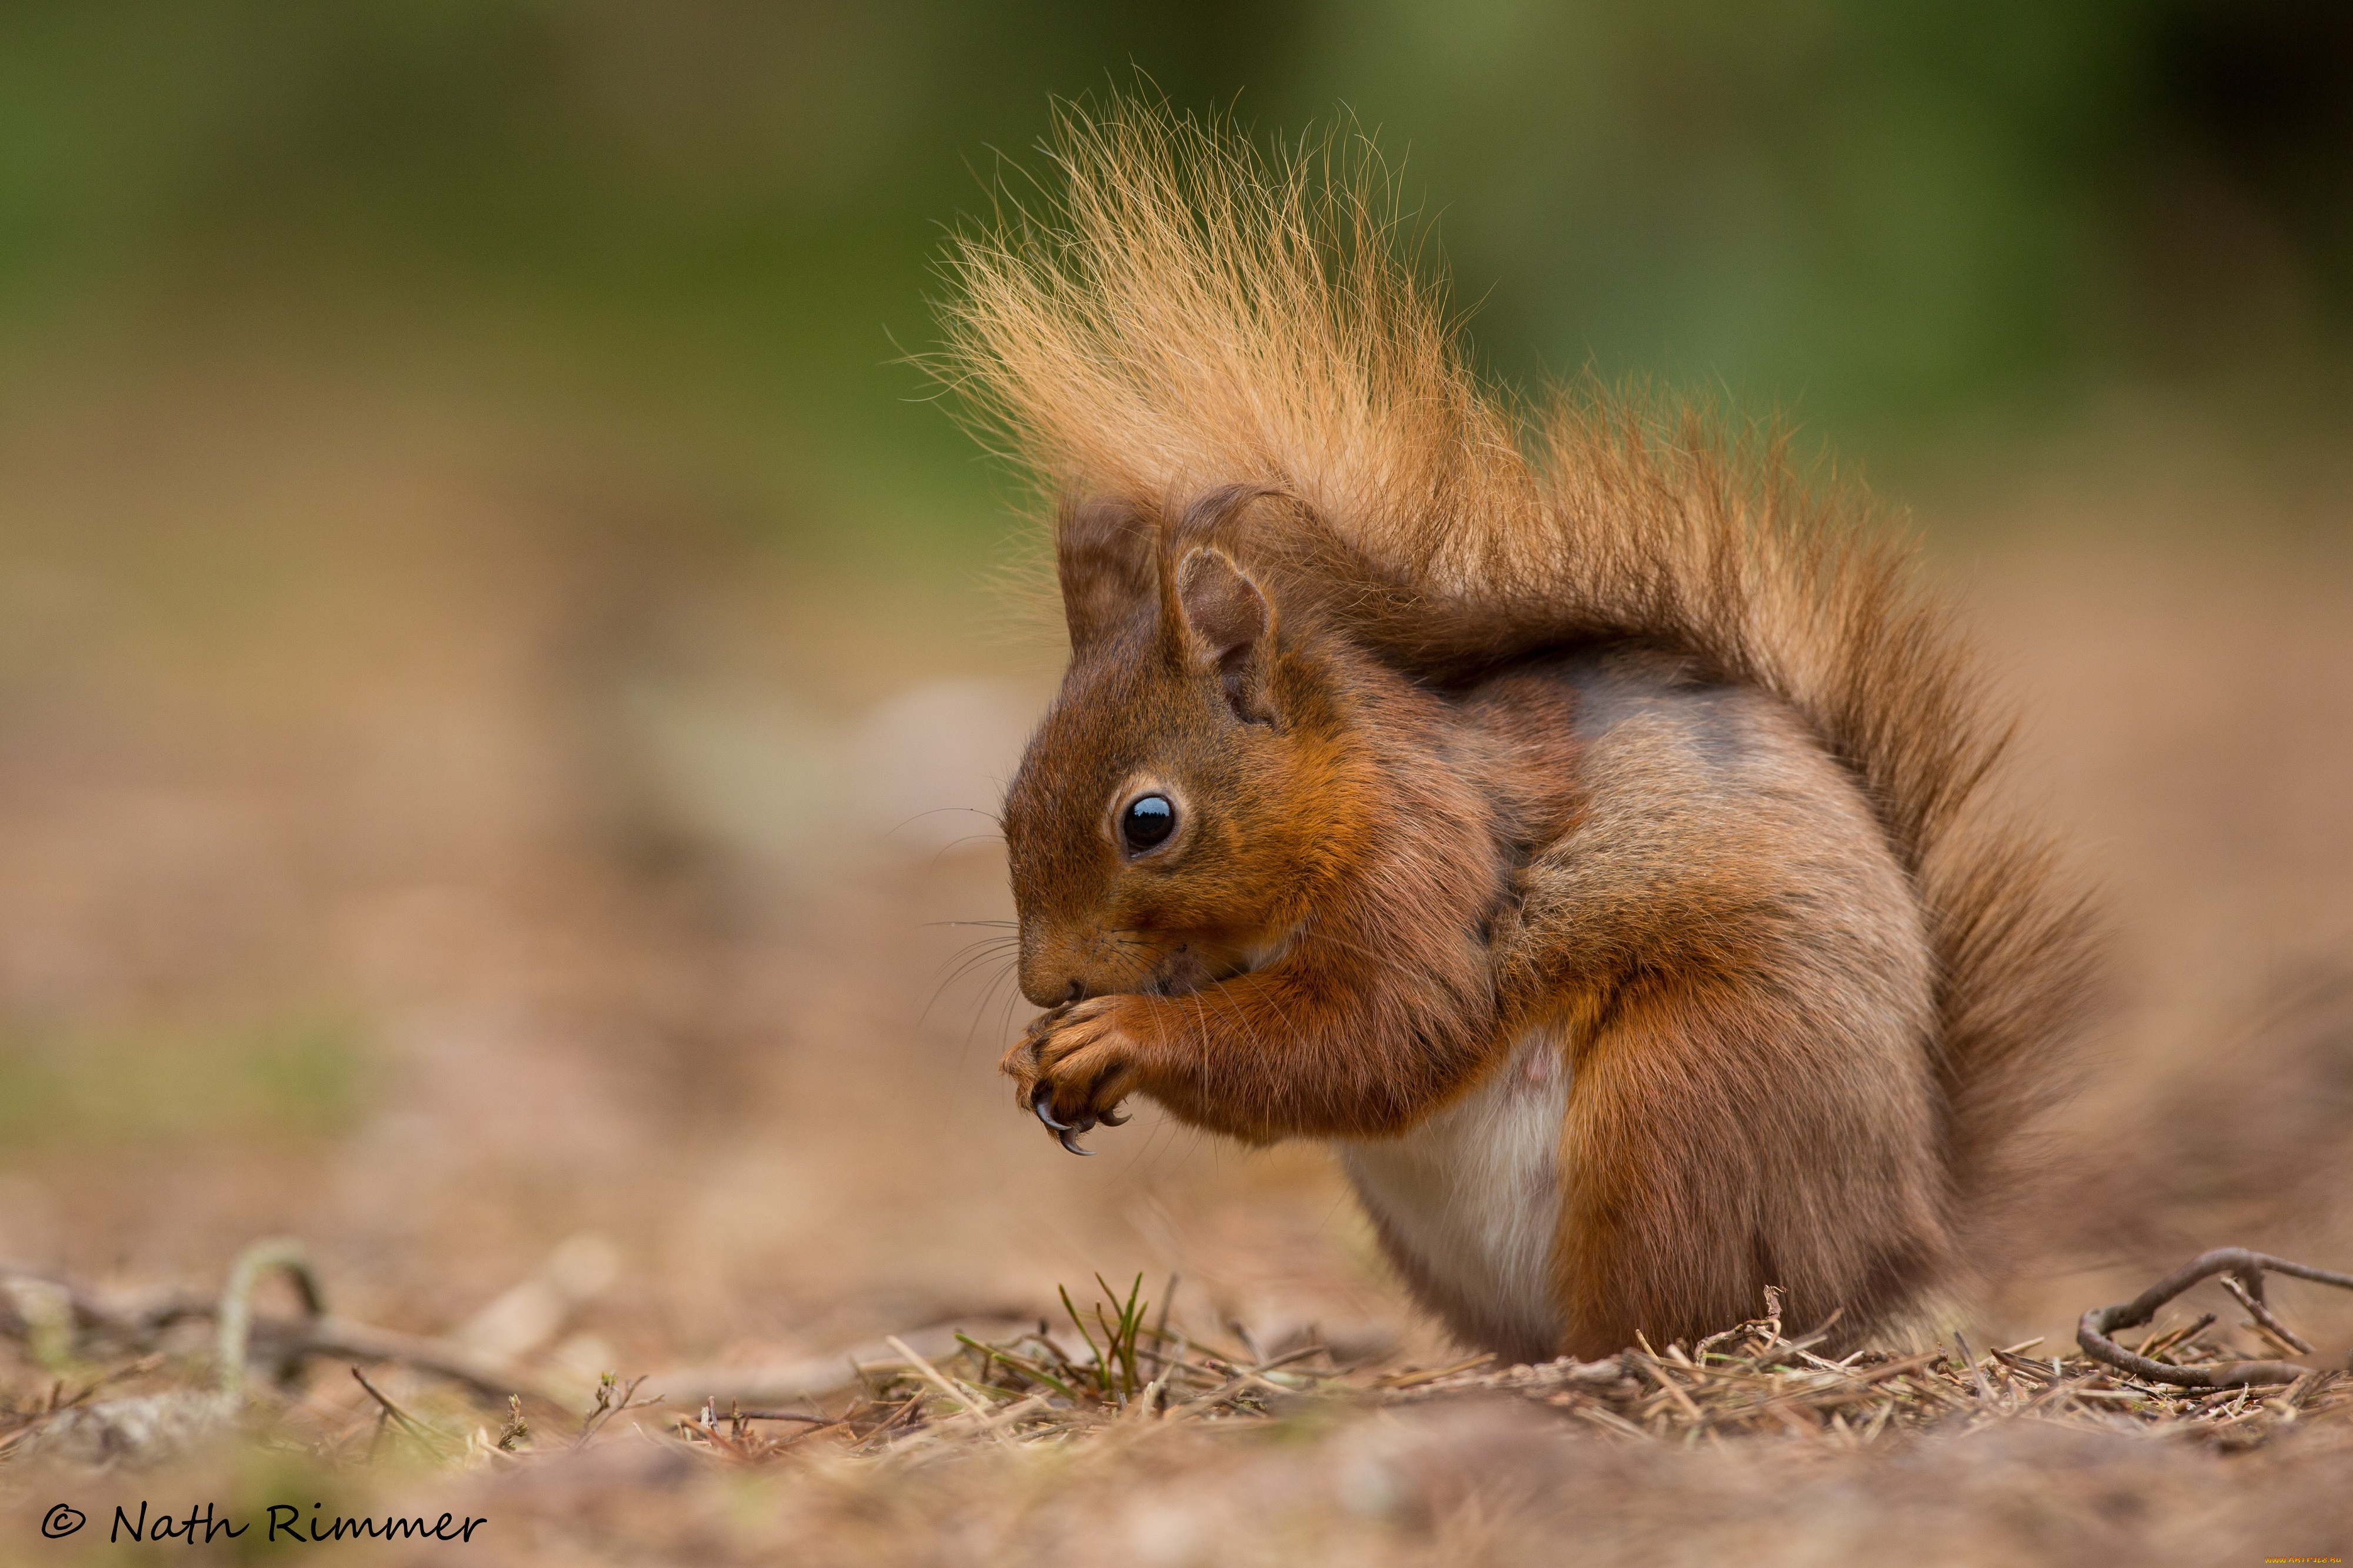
(1181,314)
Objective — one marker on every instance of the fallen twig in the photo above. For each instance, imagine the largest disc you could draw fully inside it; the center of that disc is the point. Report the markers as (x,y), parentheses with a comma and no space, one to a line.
(234,1317)
(137,1324)
(2264,1318)
(402,1418)
(2247,1268)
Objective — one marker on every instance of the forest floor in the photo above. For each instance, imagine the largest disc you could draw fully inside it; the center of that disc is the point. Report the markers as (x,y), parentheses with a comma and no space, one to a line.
(487,861)
(1117,1434)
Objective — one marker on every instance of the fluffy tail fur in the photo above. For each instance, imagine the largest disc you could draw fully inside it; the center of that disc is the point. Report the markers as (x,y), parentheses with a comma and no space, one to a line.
(1182,314)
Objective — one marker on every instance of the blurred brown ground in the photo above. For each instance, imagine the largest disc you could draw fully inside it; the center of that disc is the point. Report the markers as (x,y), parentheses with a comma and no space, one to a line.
(438,839)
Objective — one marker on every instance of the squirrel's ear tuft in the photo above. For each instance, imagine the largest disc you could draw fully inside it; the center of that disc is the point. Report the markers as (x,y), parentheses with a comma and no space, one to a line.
(1230,625)
(1103,557)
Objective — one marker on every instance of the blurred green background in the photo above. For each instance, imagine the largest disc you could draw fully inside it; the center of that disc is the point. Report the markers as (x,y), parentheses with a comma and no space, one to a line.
(1920,229)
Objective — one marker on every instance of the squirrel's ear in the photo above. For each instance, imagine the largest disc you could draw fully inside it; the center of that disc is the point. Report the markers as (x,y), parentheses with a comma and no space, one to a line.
(1229,624)
(1104,556)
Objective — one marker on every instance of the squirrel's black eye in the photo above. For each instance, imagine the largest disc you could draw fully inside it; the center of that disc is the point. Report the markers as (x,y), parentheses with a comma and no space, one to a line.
(1148,820)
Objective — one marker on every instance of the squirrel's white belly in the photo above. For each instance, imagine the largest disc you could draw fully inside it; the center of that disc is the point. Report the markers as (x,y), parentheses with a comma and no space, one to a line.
(1468,1204)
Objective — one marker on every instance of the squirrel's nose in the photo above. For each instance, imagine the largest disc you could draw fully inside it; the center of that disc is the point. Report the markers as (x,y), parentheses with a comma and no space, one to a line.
(1055,977)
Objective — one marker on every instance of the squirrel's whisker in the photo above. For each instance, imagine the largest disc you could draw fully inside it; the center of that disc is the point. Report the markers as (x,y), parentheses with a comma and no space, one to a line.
(1006,972)
(964,962)
(956,843)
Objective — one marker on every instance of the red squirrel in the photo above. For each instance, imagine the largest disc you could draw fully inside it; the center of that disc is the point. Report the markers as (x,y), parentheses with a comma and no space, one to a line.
(1565,814)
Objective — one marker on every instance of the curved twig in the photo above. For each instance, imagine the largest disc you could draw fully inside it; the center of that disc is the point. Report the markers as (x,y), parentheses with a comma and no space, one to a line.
(235,1316)
(2247,1270)
(137,1324)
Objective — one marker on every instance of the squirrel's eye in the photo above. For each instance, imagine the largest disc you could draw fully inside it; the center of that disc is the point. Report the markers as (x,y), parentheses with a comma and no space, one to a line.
(1148,820)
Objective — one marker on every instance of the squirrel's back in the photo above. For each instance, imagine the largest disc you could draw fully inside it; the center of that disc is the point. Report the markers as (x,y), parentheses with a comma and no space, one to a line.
(1195,319)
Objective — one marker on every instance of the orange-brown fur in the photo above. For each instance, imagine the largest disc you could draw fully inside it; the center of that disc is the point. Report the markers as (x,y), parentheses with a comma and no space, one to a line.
(1481,725)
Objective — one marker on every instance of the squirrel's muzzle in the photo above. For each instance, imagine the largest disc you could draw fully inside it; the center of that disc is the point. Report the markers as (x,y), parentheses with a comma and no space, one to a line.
(1058,969)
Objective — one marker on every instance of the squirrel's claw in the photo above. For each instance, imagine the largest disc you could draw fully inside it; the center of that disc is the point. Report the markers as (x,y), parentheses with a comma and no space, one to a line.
(1112,1118)
(1063,1130)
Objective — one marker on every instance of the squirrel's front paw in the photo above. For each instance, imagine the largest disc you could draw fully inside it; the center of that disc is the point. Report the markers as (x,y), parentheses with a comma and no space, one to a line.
(1075,1065)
